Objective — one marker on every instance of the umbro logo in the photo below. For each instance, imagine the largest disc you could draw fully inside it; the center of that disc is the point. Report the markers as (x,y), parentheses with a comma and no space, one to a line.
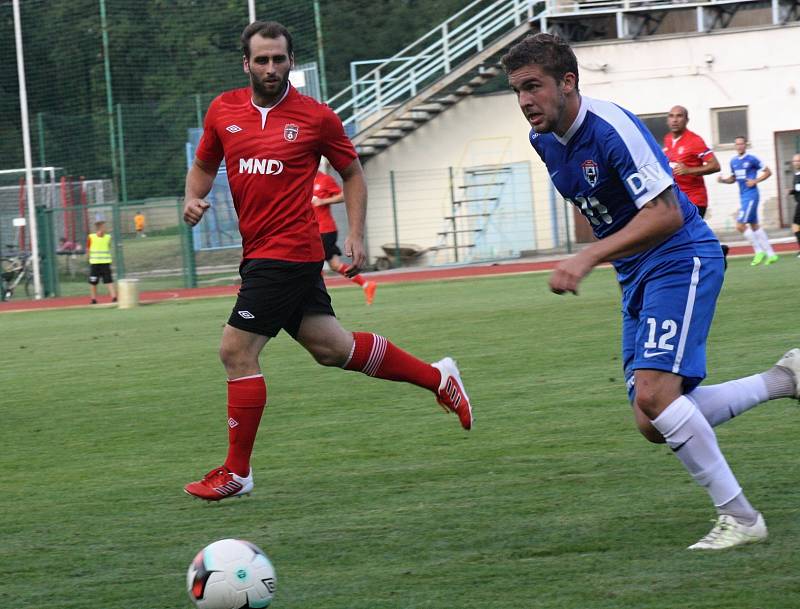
(246,314)
(233,128)
(233,423)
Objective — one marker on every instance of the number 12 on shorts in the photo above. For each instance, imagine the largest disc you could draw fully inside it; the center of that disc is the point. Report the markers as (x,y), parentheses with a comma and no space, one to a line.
(669,329)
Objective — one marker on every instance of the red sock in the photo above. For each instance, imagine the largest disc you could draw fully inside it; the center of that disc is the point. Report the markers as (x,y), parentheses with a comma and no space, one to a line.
(247,397)
(376,356)
(357,279)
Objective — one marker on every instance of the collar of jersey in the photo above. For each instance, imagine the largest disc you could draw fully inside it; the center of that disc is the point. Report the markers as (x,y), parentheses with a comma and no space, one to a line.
(575,125)
(265,111)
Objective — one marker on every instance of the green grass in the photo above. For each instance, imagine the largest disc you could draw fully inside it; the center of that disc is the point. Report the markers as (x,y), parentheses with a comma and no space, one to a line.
(367,495)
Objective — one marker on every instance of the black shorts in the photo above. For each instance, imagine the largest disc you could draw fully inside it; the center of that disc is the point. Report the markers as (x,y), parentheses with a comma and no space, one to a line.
(796,214)
(275,294)
(100,271)
(329,243)
(701,211)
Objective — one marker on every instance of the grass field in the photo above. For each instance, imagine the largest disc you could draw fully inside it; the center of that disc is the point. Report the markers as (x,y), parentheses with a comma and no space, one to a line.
(367,495)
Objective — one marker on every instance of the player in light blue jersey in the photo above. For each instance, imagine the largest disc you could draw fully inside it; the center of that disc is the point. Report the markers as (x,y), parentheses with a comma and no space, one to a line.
(744,171)
(669,264)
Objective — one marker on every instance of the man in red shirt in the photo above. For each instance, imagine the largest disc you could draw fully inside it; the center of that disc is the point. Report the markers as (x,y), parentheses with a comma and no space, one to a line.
(690,160)
(271,138)
(327,193)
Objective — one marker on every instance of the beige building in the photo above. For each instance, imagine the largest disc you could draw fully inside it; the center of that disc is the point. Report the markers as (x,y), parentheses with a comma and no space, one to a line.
(733,81)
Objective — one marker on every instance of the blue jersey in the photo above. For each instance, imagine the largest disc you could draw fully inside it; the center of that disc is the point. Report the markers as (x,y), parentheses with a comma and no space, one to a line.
(745,168)
(609,166)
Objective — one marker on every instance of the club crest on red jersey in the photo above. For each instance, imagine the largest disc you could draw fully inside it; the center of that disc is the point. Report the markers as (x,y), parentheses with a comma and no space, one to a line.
(290,132)
(590,171)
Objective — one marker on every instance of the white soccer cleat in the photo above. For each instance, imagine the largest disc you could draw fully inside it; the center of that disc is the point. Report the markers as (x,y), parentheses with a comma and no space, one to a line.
(729,533)
(791,362)
(451,394)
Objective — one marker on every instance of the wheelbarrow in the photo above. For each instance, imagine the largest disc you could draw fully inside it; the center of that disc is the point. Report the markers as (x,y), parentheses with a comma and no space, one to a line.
(406,253)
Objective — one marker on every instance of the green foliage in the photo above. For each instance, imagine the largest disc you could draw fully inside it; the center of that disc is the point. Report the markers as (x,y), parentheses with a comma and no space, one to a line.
(367,495)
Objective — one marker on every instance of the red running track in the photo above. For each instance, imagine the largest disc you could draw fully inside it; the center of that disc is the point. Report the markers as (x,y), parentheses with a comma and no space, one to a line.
(399,276)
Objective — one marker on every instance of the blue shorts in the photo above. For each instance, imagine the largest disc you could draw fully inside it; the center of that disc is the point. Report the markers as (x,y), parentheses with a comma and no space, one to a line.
(748,212)
(666,317)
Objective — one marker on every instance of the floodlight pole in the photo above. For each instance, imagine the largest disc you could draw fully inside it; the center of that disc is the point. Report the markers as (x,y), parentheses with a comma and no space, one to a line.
(251,10)
(26,150)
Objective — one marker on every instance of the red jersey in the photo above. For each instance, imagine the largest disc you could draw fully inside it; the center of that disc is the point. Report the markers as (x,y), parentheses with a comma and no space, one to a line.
(325,187)
(271,162)
(691,150)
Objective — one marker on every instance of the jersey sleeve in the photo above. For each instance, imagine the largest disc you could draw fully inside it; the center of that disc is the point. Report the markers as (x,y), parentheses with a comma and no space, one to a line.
(209,150)
(335,145)
(636,162)
(329,186)
(757,164)
(701,149)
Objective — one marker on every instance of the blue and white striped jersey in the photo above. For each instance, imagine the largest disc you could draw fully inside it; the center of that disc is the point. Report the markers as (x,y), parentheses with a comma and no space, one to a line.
(608,165)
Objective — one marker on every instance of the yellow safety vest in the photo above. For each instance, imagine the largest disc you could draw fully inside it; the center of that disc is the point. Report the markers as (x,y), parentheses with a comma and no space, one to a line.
(99,249)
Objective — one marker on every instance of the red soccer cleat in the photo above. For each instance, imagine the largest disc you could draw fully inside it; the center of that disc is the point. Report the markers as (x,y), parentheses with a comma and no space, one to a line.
(451,395)
(369,291)
(220,483)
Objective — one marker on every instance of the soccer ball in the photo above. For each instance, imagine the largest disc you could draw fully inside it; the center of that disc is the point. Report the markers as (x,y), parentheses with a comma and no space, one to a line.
(231,574)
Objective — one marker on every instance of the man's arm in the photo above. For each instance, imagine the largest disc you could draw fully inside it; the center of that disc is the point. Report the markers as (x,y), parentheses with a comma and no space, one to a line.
(764,175)
(709,166)
(317,202)
(199,180)
(656,221)
(354,188)
(726,179)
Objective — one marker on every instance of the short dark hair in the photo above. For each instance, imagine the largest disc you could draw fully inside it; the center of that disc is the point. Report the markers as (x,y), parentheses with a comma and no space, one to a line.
(740,137)
(550,52)
(267,29)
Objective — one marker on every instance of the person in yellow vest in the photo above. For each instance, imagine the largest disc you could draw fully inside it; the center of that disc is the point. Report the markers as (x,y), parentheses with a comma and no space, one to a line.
(139,222)
(98,248)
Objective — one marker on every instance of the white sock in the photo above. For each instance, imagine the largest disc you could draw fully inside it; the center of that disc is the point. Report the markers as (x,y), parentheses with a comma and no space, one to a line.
(720,403)
(761,238)
(750,236)
(692,440)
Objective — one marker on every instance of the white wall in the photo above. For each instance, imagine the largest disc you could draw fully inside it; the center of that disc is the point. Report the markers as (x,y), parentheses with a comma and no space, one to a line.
(757,68)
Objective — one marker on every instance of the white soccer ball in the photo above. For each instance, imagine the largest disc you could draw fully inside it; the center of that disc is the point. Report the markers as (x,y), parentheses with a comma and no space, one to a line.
(231,574)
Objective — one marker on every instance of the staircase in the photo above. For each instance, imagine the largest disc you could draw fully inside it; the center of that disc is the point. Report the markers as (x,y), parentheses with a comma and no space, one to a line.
(472,204)
(437,71)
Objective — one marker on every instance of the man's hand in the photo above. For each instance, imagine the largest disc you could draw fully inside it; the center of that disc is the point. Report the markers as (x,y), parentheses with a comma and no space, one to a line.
(679,169)
(569,273)
(751,183)
(354,249)
(316,201)
(193,211)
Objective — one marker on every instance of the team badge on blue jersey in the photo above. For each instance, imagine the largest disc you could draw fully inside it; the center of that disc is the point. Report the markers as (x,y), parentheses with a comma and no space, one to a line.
(590,171)
(290,132)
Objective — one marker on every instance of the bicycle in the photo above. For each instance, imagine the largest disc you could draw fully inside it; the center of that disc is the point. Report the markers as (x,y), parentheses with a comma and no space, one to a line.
(15,270)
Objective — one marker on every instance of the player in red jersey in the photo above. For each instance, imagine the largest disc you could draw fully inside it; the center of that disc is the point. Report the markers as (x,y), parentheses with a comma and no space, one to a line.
(327,193)
(272,138)
(690,159)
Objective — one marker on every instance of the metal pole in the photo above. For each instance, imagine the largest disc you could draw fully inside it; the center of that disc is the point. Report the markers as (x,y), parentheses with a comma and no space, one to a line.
(40,128)
(198,110)
(453,208)
(251,10)
(323,81)
(26,150)
(567,207)
(122,175)
(109,95)
(394,216)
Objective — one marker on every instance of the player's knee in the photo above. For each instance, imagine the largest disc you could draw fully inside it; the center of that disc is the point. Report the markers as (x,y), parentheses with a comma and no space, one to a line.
(647,400)
(236,361)
(327,355)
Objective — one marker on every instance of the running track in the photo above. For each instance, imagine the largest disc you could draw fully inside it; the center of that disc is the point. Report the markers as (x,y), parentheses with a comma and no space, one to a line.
(397,276)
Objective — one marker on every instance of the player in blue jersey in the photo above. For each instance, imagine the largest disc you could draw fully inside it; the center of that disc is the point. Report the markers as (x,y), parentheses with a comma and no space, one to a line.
(669,264)
(744,171)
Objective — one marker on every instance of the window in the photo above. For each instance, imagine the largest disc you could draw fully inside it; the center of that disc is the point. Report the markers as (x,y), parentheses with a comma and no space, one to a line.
(728,124)
(657,125)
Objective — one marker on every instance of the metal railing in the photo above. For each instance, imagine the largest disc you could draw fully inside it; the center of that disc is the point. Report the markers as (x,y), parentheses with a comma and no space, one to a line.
(431,57)
(561,7)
